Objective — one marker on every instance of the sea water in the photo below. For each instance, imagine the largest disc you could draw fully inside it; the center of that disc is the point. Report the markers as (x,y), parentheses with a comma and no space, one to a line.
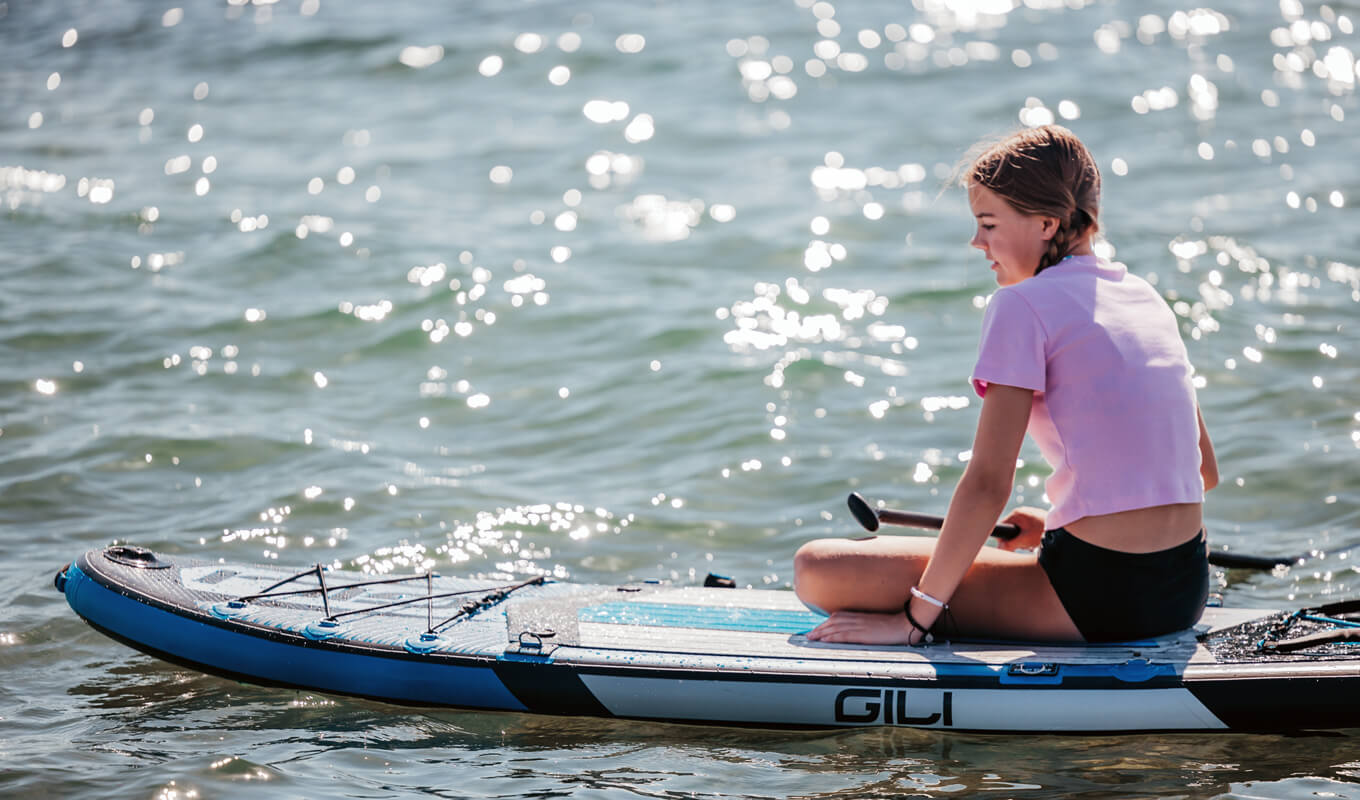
(614,291)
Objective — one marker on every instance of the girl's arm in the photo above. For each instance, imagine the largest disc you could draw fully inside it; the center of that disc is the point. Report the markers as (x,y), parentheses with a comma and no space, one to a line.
(1208,464)
(979,498)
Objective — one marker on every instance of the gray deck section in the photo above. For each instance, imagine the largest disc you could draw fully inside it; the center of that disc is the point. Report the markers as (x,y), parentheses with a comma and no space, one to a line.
(761,624)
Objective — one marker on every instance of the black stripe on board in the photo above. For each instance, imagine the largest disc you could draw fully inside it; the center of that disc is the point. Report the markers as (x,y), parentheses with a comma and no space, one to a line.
(547,688)
(1281,704)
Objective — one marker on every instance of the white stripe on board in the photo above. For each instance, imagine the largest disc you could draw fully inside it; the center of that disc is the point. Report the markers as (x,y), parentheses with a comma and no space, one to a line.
(850,705)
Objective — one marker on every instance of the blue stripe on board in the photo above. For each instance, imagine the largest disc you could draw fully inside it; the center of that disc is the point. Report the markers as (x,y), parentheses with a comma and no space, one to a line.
(755,620)
(668,615)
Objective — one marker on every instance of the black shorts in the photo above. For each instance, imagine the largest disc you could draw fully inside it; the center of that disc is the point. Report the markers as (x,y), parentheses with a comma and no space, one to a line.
(1113,596)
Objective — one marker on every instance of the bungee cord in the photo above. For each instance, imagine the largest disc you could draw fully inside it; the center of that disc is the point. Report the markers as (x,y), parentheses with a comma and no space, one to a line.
(489,596)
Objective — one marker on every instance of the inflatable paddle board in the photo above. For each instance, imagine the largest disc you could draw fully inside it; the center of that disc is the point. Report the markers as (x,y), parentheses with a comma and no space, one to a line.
(707,654)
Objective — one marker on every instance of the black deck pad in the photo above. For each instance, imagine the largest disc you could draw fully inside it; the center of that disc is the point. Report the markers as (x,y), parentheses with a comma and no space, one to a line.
(1246,642)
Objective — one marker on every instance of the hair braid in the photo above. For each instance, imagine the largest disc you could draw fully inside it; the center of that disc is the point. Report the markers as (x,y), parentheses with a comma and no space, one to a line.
(1069,231)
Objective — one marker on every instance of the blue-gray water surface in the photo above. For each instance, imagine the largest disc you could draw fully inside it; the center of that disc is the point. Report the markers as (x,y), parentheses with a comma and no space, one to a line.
(611,291)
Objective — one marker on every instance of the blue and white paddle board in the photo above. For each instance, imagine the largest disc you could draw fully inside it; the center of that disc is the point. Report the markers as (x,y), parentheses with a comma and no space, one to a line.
(695,654)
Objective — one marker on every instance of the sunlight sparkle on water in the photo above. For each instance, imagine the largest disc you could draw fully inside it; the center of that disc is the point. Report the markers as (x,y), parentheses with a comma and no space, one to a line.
(605,111)
(1036,114)
(530,42)
(417,57)
(722,212)
(19,185)
(569,42)
(630,43)
(1156,100)
(491,65)
(606,168)
(98,191)
(640,129)
(662,219)
(178,164)
(375,312)
(505,533)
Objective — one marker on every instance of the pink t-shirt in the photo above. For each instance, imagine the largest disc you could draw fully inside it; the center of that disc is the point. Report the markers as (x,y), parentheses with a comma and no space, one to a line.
(1114,408)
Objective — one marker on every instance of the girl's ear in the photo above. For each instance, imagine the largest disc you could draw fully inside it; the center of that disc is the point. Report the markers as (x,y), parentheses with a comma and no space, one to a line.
(1048,227)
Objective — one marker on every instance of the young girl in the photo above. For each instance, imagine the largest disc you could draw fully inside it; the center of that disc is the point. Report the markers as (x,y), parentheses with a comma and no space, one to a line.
(1088,360)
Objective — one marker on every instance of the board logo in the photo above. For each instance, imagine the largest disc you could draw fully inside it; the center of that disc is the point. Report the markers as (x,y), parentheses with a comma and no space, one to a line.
(890,707)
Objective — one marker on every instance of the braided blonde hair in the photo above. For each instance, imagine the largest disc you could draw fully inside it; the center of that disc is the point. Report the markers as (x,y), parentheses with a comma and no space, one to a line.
(1044,171)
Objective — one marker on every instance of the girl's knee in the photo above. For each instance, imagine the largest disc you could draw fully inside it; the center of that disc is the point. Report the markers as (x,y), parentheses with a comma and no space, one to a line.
(806,554)
(816,555)
(809,568)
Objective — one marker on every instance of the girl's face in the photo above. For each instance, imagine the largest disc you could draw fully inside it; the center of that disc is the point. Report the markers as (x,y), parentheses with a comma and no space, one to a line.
(1013,241)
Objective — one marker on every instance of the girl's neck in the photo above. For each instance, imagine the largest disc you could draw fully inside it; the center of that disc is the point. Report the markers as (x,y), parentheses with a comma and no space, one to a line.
(1082,249)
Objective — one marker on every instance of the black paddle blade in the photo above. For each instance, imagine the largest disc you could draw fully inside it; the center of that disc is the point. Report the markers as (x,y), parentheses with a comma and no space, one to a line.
(1220,558)
(864,514)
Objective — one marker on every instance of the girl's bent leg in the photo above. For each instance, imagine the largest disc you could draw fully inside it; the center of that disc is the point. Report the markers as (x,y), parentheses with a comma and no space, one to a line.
(1003,594)
(872,574)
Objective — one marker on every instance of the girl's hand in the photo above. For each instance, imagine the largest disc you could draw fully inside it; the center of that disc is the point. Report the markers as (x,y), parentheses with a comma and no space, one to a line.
(1031,523)
(865,627)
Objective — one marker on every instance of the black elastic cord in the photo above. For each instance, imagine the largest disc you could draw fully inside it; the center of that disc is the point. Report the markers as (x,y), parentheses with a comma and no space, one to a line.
(926,636)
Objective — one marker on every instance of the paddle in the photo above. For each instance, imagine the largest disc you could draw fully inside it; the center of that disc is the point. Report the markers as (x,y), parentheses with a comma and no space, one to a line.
(871,518)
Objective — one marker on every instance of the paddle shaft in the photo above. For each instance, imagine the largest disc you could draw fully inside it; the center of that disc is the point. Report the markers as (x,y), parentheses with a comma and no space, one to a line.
(870,518)
(912,519)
